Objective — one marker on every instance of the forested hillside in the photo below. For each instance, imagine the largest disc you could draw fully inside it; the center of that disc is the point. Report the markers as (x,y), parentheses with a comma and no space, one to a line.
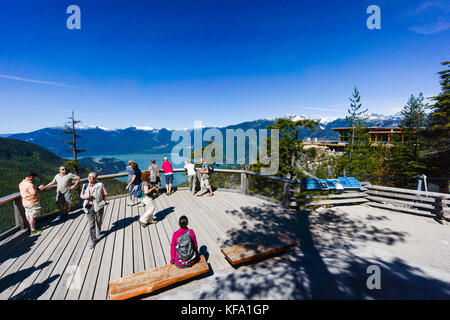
(19,157)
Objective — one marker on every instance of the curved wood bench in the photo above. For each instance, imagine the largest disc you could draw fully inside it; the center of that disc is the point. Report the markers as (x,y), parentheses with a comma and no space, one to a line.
(249,251)
(152,280)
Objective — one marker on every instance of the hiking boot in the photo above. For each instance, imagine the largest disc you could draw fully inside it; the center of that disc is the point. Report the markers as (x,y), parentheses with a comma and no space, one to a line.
(35,231)
(92,245)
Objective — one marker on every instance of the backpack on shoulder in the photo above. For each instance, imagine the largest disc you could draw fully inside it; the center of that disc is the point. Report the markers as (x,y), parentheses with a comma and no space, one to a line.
(153,176)
(210,169)
(185,249)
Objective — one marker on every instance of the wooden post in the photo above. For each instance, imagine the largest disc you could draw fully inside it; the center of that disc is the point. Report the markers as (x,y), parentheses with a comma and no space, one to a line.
(438,208)
(287,194)
(19,214)
(244,183)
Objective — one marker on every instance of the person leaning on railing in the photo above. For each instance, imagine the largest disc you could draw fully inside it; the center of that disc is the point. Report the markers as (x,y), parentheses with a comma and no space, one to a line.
(94,195)
(191,175)
(31,200)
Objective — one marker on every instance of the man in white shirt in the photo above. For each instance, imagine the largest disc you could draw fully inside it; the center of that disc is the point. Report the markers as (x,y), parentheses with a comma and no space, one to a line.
(94,196)
(192,176)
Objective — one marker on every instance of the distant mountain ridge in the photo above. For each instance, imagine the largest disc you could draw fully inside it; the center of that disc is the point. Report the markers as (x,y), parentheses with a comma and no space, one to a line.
(100,140)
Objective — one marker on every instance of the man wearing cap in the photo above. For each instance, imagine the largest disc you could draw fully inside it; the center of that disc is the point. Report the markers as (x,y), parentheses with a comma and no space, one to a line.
(94,195)
(31,200)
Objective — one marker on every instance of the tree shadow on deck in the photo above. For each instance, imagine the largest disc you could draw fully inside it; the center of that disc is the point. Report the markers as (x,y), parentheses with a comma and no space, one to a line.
(324,266)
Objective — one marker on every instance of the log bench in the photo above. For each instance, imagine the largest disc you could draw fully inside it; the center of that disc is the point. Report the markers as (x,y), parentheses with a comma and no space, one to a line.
(151,280)
(249,251)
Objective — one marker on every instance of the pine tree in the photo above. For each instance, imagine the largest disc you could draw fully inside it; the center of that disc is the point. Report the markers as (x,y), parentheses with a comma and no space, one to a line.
(70,129)
(414,119)
(437,132)
(405,157)
(356,118)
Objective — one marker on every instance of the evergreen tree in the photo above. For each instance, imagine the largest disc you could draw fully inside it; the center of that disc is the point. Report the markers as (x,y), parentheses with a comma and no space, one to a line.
(437,132)
(290,144)
(404,159)
(73,165)
(359,138)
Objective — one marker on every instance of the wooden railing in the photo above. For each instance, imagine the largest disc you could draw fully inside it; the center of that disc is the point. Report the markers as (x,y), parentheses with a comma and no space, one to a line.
(430,204)
(19,211)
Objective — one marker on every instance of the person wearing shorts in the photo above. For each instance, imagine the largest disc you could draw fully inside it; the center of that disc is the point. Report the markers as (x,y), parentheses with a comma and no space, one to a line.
(168,175)
(204,181)
(65,185)
(31,200)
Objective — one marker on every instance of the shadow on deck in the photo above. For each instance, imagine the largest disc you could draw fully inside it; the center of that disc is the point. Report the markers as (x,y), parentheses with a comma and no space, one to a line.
(336,247)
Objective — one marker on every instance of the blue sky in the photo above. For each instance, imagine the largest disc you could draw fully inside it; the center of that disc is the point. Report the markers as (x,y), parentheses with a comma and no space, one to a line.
(168,63)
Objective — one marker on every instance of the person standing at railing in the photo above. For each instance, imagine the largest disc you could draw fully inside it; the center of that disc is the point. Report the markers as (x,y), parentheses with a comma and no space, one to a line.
(191,175)
(168,175)
(155,176)
(135,185)
(204,181)
(31,200)
(65,185)
(94,195)
(130,172)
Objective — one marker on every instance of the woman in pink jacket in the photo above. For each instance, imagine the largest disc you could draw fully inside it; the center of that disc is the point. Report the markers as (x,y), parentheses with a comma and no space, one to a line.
(183,249)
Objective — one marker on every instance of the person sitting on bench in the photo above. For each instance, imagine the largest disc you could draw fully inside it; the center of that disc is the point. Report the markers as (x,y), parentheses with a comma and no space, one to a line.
(183,249)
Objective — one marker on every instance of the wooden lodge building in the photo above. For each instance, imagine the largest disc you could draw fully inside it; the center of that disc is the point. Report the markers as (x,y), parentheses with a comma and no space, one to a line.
(379,136)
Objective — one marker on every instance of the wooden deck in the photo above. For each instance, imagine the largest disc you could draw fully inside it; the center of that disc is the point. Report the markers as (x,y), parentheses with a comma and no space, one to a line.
(58,265)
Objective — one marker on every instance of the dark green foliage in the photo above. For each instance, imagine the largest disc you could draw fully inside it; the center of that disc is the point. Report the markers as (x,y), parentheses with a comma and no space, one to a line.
(290,148)
(437,131)
(359,157)
(17,158)
(405,158)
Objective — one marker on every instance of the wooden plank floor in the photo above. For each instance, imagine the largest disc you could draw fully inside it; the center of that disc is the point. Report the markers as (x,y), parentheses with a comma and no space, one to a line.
(58,265)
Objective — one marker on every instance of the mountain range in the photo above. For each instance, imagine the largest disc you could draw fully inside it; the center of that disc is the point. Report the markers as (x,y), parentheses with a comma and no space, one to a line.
(100,140)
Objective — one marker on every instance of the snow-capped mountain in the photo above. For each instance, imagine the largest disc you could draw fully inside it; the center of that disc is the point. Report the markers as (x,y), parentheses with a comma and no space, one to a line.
(138,139)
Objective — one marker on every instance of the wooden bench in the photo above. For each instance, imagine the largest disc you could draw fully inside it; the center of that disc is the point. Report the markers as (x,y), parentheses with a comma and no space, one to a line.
(152,280)
(249,251)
